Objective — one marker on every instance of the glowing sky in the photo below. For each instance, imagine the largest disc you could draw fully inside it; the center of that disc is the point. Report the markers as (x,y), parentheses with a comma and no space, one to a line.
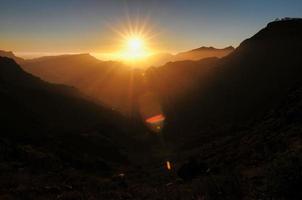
(55,26)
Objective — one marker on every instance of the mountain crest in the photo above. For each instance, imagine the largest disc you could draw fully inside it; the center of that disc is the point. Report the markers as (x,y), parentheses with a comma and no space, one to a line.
(204,48)
(10,54)
(290,28)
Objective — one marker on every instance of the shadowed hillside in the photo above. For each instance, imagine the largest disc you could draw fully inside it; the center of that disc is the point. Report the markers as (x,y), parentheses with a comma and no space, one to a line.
(239,87)
(108,82)
(236,134)
(57,121)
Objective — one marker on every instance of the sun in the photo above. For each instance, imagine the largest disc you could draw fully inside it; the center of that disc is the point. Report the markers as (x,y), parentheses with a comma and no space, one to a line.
(135,41)
(135,48)
(135,44)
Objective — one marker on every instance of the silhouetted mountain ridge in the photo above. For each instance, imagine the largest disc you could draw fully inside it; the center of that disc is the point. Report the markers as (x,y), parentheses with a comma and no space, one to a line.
(105,81)
(240,87)
(230,48)
(194,54)
(46,116)
(10,54)
(82,56)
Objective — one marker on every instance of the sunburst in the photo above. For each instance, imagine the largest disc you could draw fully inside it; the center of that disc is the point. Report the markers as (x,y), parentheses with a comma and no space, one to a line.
(135,38)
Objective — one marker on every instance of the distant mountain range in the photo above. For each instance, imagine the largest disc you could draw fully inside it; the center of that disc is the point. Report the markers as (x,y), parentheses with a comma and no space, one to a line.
(106,81)
(195,54)
(154,60)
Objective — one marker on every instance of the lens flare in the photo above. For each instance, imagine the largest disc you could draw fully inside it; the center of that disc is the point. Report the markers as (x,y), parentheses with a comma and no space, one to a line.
(156,119)
(151,112)
(156,123)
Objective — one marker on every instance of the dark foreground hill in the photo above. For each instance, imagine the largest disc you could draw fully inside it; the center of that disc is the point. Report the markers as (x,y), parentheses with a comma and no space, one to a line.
(233,90)
(48,131)
(234,123)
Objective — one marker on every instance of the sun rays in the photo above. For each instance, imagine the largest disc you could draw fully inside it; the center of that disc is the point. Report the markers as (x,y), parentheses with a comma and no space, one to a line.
(134,39)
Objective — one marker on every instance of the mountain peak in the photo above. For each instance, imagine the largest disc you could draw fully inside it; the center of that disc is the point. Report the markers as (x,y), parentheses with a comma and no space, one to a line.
(286,20)
(204,48)
(81,57)
(285,28)
(10,54)
(231,48)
